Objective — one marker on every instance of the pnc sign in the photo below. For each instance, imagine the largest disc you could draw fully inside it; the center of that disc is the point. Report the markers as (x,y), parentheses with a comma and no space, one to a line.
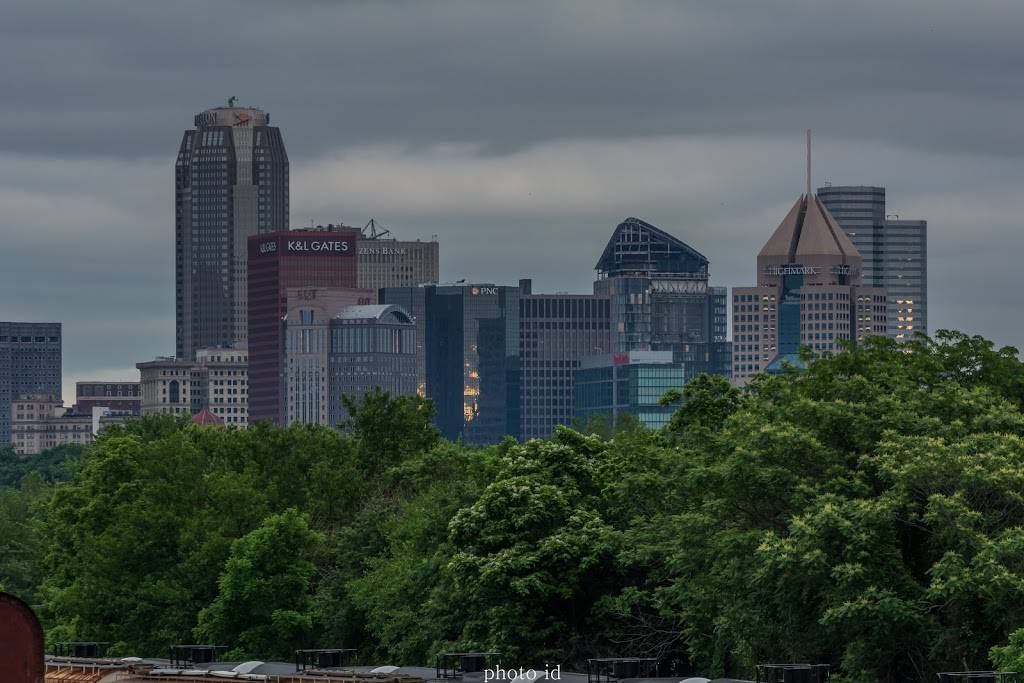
(483,291)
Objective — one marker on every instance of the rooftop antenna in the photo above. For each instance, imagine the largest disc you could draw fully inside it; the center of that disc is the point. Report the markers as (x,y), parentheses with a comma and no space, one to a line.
(231,101)
(374,233)
(808,163)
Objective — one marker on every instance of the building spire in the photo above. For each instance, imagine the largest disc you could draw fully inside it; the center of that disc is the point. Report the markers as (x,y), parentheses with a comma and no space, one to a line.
(808,163)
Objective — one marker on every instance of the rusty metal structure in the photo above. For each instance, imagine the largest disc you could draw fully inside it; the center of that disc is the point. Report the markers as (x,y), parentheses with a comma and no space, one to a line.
(21,642)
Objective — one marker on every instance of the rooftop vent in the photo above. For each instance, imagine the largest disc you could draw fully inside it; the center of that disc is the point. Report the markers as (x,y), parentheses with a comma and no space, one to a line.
(455,664)
(86,649)
(185,656)
(979,677)
(792,673)
(329,658)
(605,669)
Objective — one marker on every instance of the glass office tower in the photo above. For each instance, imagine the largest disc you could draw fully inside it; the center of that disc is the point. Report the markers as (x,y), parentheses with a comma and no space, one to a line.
(230,182)
(661,300)
(895,253)
(470,338)
(632,382)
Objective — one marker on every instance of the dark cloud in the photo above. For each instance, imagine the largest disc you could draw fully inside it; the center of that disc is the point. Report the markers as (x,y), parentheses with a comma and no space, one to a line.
(508,74)
(501,126)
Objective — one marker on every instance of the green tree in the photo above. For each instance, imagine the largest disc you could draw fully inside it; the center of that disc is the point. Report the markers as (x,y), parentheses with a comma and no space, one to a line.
(52,465)
(264,606)
(864,512)
(22,537)
(705,403)
(406,596)
(137,540)
(533,553)
(1010,657)
(388,430)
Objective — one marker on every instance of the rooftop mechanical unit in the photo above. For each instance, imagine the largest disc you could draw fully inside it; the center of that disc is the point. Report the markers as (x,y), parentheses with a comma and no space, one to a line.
(606,669)
(86,649)
(323,658)
(792,673)
(455,664)
(185,656)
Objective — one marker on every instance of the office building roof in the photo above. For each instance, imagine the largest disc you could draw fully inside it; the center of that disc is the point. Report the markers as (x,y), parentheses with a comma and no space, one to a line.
(809,232)
(637,247)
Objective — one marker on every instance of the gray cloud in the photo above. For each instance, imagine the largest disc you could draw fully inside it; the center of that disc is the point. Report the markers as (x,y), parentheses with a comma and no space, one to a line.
(520,133)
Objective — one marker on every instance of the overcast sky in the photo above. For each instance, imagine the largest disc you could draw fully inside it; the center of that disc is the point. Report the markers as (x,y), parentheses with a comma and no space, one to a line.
(519,132)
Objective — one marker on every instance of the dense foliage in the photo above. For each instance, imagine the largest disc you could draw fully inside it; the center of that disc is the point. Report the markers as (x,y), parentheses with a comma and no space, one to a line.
(53,465)
(867,512)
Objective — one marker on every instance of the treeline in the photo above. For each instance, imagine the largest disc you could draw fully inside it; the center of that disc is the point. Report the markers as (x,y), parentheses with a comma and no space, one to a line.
(867,512)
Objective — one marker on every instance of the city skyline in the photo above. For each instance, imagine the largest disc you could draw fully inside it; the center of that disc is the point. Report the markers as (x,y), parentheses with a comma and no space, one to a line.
(524,180)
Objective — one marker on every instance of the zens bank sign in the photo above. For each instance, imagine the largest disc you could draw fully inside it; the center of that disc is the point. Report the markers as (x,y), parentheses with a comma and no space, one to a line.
(306,245)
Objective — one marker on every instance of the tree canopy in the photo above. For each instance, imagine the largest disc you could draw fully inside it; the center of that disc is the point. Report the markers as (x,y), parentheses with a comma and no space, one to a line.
(867,511)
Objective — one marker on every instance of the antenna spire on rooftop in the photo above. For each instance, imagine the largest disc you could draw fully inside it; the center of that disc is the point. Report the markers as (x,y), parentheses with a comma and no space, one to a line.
(808,163)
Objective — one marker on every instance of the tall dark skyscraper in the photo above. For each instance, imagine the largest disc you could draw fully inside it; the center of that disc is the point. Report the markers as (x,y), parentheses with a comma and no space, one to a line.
(230,182)
(906,277)
(471,350)
(860,212)
(661,299)
(30,363)
(895,253)
(557,331)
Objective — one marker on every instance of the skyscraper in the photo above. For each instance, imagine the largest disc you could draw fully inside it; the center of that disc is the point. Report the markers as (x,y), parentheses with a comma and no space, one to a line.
(895,253)
(661,299)
(30,363)
(231,182)
(860,212)
(556,332)
(810,292)
(471,350)
(280,261)
(906,277)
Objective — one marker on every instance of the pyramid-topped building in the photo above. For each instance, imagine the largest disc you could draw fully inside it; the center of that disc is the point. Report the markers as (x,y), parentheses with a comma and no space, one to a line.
(811,237)
(809,293)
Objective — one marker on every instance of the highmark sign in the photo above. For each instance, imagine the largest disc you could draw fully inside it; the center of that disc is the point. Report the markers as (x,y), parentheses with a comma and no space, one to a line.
(791,270)
(794,269)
